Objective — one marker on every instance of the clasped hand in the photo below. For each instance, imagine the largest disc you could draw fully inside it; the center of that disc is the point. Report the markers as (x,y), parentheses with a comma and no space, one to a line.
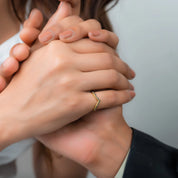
(53,88)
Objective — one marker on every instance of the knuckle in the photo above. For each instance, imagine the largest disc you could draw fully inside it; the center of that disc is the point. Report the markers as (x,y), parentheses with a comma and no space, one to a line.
(94,23)
(66,81)
(113,77)
(72,20)
(76,18)
(109,60)
(55,45)
(60,63)
(102,48)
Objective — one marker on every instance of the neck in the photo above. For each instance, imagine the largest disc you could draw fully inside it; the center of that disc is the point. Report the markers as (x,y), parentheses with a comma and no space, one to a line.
(9,24)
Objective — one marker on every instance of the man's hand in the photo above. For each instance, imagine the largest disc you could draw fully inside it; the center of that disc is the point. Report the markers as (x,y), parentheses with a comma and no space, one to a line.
(99,141)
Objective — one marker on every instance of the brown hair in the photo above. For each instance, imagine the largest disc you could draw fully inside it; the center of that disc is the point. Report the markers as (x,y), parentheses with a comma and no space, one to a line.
(89,9)
(95,9)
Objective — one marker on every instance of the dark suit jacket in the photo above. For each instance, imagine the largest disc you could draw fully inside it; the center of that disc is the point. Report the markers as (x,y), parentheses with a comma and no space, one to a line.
(149,158)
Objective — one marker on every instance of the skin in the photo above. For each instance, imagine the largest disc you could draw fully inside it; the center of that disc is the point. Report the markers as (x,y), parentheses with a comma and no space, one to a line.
(88,130)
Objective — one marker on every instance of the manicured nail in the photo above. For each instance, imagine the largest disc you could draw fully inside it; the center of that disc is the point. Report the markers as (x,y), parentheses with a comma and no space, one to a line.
(66,35)
(95,33)
(47,36)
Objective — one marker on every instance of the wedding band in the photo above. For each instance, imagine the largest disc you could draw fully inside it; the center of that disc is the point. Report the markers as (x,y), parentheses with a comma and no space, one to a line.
(97,99)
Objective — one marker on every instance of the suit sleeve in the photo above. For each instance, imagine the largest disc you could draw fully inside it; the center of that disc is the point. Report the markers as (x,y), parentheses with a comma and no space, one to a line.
(149,158)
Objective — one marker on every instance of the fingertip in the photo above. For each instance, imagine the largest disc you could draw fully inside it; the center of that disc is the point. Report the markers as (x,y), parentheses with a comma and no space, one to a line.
(36,13)
(105,36)
(35,19)
(132,94)
(29,35)
(10,66)
(133,74)
(21,52)
(64,10)
(11,51)
(131,87)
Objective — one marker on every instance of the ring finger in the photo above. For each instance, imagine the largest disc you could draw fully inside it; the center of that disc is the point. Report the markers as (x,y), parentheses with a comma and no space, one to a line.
(104,79)
(110,98)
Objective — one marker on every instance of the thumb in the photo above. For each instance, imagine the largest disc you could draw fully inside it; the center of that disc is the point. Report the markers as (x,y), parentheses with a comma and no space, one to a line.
(48,32)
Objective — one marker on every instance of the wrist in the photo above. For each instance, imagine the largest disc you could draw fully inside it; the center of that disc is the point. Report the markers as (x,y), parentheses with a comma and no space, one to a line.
(11,131)
(111,153)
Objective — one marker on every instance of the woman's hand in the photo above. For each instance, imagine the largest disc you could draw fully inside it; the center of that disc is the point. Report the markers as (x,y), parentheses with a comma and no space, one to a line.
(49,95)
(31,30)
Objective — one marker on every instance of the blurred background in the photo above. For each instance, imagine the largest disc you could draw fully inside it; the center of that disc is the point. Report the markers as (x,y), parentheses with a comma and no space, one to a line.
(148,32)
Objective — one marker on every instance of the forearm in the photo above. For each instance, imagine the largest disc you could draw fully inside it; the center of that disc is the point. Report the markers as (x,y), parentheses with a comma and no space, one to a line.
(13,124)
(9,129)
(48,164)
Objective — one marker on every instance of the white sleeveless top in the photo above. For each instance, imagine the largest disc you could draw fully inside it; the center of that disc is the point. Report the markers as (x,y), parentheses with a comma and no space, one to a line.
(12,152)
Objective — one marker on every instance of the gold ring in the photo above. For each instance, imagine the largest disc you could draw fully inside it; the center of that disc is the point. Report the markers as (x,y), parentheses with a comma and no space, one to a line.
(97,99)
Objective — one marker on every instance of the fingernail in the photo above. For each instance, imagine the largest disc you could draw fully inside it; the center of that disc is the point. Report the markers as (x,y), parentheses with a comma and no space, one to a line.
(95,33)
(46,36)
(32,13)
(133,73)
(132,94)
(7,62)
(67,34)
(131,87)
